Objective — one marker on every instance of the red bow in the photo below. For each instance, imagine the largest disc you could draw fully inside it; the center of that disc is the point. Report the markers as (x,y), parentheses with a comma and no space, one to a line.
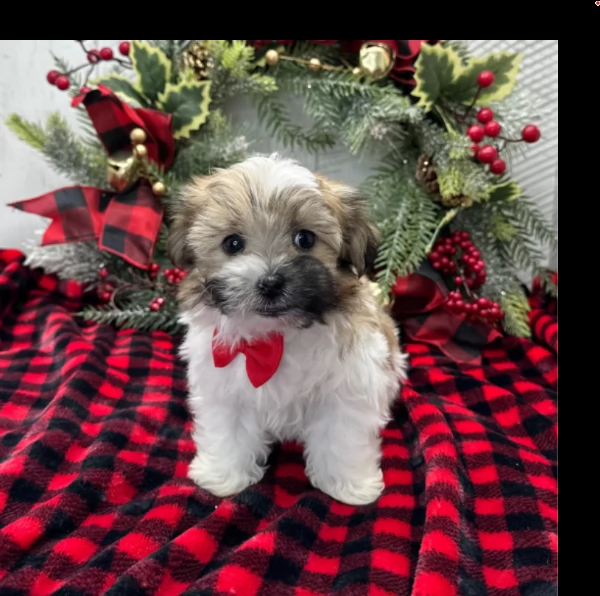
(262,356)
(126,224)
(420,305)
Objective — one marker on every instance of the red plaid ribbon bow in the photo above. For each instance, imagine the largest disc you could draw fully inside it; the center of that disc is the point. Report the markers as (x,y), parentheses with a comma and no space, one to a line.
(126,224)
(420,307)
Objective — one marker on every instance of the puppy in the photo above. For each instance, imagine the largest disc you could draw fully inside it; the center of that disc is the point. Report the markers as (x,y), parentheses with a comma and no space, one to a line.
(284,338)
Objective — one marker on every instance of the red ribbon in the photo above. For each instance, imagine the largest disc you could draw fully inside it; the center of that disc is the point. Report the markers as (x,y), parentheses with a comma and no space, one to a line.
(420,306)
(126,224)
(262,356)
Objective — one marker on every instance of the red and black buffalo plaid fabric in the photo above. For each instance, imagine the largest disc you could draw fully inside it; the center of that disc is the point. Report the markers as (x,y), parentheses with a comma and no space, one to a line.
(95,444)
(126,224)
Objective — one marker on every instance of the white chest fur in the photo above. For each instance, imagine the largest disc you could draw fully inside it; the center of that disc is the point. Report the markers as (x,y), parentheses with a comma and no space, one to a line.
(334,396)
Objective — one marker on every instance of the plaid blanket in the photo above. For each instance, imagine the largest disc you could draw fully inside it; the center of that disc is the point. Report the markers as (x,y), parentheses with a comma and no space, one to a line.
(95,444)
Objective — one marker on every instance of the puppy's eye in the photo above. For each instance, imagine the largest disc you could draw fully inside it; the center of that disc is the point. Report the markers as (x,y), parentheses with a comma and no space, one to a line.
(233,244)
(304,239)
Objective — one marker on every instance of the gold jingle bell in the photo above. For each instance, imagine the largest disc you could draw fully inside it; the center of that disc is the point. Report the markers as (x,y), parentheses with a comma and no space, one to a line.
(159,189)
(122,171)
(138,136)
(376,60)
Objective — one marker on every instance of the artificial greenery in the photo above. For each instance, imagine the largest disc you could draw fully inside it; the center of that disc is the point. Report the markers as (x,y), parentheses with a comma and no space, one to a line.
(344,108)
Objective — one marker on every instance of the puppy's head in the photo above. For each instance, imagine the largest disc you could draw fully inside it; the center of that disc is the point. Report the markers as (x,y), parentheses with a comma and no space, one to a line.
(267,237)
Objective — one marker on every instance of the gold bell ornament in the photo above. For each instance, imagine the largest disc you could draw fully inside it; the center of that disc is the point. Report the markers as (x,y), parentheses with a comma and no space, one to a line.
(126,167)
(376,60)
(123,170)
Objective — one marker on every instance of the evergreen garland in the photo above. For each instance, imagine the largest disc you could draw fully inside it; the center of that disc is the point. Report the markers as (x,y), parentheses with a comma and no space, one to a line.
(345,107)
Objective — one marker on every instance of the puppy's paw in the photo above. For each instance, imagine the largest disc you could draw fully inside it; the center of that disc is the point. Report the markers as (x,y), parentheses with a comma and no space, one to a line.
(220,480)
(352,490)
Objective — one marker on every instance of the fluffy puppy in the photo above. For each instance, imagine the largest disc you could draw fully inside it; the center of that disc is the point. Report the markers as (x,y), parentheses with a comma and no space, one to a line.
(284,338)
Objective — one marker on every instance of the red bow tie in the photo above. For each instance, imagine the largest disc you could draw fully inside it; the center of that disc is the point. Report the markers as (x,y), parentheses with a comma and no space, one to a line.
(262,356)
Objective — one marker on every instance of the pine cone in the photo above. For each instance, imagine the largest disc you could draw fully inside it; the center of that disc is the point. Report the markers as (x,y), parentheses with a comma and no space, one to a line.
(196,58)
(427,176)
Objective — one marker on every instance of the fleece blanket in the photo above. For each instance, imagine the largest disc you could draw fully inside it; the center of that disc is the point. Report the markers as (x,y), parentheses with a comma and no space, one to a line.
(95,445)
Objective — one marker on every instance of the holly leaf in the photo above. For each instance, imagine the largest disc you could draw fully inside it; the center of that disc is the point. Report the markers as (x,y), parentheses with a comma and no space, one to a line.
(123,88)
(188,102)
(152,67)
(504,65)
(506,191)
(436,69)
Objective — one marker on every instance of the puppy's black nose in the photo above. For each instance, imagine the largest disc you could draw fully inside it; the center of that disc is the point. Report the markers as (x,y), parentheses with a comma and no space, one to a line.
(270,286)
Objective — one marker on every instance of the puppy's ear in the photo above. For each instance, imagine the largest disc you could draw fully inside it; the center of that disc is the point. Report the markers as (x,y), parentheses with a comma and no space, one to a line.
(180,218)
(360,235)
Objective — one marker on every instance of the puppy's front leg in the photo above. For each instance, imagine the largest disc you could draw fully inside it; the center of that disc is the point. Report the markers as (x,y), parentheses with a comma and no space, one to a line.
(231,448)
(343,450)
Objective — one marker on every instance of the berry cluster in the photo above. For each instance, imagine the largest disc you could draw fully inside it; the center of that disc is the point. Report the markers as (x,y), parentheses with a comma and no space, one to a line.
(154,269)
(474,307)
(175,275)
(445,258)
(105,291)
(156,303)
(490,128)
(457,255)
(62,81)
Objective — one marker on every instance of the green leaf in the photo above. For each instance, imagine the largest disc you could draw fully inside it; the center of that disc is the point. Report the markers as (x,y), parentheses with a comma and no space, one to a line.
(29,132)
(507,191)
(188,102)
(450,215)
(152,67)
(436,69)
(504,65)
(122,87)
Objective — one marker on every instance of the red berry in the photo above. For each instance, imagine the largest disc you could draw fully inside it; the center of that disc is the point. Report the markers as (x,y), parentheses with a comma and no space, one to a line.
(84,90)
(451,250)
(531,133)
(494,313)
(466,245)
(445,261)
(487,154)
(106,54)
(465,235)
(492,128)
(167,272)
(437,265)
(62,82)
(468,308)
(484,312)
(485,78)
(475,253)
(103,273)
(476,133)
(474,149)
(124,47)
(160,300)
(498,166)
(451,304)
(52,76)
(154,306)
(433,256)
(458,280)
(93,56)
(483,302)
(485,115)
(155,267)
(460,305)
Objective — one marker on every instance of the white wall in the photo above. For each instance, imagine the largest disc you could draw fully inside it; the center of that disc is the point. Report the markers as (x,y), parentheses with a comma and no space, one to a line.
(23,89)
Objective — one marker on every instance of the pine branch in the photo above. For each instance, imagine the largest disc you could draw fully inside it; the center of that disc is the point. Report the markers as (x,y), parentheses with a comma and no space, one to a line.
(29,132)
(516,314)
(274,114)
(405,236)
(136,317)
(528,218)
(69,156)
